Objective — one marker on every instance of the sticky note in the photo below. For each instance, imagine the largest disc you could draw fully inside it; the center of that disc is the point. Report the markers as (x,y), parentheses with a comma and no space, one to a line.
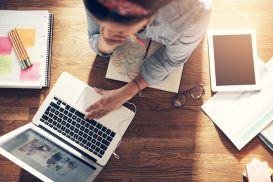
(28,36)
(5,65)
(258,172)
(255,161)
(31,73)
(5,46)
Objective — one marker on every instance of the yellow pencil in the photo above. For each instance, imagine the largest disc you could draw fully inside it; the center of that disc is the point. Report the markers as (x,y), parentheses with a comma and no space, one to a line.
(23,45)
(17,52)
(20,48)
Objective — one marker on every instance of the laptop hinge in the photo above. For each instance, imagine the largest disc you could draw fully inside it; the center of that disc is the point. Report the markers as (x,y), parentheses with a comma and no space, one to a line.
(67,143)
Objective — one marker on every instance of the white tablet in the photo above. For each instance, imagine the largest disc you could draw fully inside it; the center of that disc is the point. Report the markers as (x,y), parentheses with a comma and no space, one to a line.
(233,60)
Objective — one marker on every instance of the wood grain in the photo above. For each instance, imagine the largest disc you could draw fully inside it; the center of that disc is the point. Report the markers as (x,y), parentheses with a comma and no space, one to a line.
(163,143)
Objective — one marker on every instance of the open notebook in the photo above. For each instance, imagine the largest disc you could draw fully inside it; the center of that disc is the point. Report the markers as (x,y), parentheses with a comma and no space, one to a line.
(128,60)
(36,30)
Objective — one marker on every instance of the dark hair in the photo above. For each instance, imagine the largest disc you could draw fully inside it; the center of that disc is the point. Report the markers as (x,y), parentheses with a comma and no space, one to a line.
(102,13)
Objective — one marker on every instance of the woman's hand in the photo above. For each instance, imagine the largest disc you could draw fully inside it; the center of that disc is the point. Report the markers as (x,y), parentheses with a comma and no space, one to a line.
(107,42)
(111,100)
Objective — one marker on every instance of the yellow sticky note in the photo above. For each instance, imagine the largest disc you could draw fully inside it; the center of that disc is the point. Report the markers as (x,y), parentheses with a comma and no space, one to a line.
(5,65)
(28,36)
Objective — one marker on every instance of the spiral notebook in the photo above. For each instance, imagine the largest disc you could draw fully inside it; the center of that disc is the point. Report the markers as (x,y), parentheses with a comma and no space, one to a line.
(36,30)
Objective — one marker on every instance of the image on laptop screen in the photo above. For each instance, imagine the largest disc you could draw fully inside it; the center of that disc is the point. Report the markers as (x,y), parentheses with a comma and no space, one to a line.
(49,159)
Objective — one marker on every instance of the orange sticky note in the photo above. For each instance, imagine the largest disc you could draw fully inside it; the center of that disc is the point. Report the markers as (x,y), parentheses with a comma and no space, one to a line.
(258,172)
(28,36)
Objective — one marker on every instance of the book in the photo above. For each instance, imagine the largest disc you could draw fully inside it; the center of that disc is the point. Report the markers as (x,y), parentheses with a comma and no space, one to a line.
(129,58)
(265,141)
(256,161)
(258,172)
(36,30)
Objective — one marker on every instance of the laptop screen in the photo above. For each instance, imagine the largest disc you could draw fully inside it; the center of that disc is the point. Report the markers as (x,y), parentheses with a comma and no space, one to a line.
(49,159)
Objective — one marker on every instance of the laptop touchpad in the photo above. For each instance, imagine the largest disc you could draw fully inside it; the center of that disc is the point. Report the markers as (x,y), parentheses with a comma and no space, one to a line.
(87,98)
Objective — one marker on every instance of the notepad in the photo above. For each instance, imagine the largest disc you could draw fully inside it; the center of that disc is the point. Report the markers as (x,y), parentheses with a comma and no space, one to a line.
(128,60)
(256,161)
(258,172)
(35,28)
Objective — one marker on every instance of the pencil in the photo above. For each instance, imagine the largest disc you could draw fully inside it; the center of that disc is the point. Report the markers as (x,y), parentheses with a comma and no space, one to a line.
(21,47)
(16,51)
(138,39)
(18,48)
(28,58)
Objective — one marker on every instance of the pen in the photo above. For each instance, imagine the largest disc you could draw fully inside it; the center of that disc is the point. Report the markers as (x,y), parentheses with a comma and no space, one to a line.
(138,39)
(147,49)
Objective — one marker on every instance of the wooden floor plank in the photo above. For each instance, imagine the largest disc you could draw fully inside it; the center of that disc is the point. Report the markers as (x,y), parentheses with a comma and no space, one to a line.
(163,143)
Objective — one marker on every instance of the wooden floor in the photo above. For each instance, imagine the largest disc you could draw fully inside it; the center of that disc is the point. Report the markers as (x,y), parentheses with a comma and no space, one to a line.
(162,143)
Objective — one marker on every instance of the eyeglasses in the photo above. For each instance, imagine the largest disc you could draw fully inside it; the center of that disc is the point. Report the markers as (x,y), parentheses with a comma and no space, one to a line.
(180,99)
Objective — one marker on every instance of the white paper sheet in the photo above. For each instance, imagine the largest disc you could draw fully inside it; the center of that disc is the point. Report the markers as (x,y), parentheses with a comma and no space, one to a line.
(267,132)
(242,115)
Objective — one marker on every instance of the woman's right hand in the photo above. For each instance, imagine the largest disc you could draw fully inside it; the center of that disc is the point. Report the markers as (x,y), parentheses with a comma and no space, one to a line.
(107,42)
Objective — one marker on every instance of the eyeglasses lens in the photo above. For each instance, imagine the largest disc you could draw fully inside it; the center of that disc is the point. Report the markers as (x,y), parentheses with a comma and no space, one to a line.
(180,100)
(196,92)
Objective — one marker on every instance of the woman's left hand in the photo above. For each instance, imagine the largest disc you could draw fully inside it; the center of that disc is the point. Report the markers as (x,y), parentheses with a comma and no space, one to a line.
(111,100)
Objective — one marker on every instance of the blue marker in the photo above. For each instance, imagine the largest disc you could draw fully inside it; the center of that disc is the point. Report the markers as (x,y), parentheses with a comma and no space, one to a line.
(26,63)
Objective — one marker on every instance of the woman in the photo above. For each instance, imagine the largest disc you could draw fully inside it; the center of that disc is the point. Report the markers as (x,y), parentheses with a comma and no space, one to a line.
(179,25)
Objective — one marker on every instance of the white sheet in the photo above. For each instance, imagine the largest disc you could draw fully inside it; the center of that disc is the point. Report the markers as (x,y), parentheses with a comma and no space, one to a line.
(242,115)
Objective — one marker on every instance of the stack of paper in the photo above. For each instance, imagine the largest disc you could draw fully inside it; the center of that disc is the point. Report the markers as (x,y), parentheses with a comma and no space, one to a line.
(242,115)
(267,134)
(257,161)
(258,172)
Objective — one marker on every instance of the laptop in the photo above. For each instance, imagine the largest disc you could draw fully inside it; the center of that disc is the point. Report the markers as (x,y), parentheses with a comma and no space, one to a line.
(59,144)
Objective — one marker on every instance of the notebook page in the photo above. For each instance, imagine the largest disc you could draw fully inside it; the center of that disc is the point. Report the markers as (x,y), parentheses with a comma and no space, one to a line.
(171,83)
(128,60)
(25,20)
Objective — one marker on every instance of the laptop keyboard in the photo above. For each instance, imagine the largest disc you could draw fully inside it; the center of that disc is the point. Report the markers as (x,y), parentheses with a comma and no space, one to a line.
(70,122)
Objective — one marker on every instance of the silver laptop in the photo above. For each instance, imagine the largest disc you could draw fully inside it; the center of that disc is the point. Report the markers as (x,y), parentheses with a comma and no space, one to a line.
(59,144)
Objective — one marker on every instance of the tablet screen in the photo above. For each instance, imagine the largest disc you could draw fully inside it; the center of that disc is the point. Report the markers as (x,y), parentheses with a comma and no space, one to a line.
(233,56)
